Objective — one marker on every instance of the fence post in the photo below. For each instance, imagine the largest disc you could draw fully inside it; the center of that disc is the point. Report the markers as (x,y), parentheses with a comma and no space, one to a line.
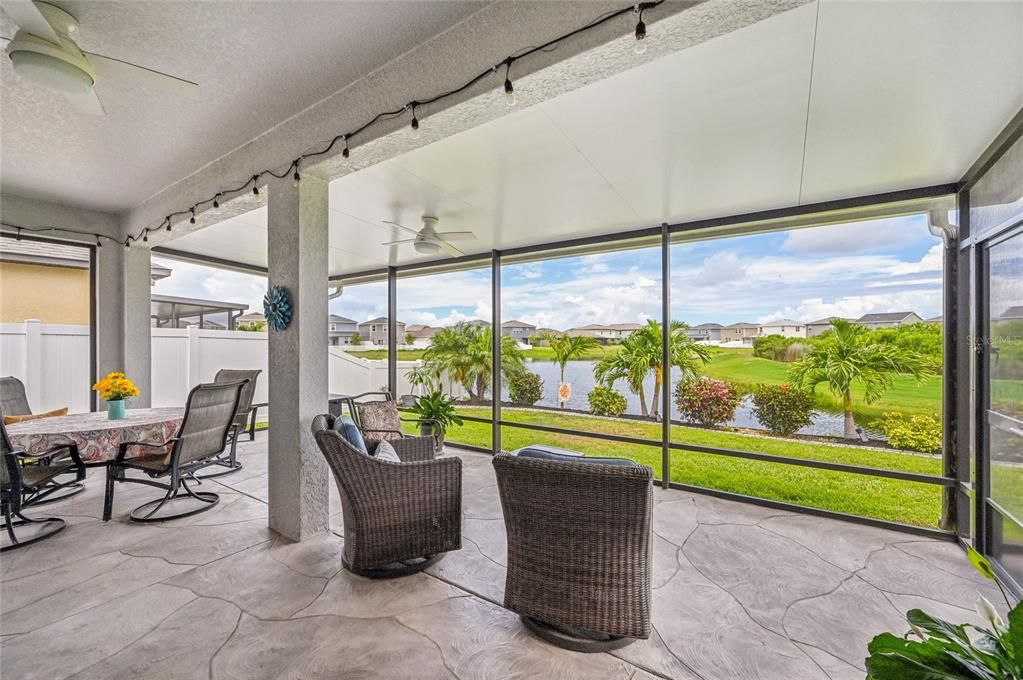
(34,362)
(192,352)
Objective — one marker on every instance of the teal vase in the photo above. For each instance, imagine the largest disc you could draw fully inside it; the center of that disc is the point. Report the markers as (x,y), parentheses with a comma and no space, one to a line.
(115,409)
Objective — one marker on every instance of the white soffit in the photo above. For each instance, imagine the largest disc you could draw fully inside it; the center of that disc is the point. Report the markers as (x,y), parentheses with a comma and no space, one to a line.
(904,94)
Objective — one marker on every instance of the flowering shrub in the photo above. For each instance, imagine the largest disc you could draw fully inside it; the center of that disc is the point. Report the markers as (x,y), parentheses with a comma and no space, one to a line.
(606,401)
(525,388)
(115,386)
(706,400)
(782,409)
(917,433)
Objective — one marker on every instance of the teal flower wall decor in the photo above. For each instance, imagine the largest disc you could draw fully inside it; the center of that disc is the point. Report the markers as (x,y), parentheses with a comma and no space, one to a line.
(277,308)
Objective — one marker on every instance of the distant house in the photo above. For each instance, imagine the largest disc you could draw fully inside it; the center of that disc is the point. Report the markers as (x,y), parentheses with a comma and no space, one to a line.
(520,330)
(602,333)
(624,330)
(788,328)
(706,332)
(422,335)
(740,332)
(935,319)
(815,328)
(479,323)
(374,331)
(251,318)
(539,338)
(1012,314)
(888,319)
(340,330)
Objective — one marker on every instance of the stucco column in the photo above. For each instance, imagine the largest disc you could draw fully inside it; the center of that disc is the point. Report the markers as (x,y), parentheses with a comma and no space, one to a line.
(297,247)
(110,280)
(137,331)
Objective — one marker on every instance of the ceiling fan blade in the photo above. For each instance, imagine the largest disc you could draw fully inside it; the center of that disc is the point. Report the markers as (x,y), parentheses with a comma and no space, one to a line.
(449,249)
(28,17)
(125,72)
(87,103)
(401,226)
(398,243)
(457,235)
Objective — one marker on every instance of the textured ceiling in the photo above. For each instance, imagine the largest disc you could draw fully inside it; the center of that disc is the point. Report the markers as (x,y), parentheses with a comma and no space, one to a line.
(257,63)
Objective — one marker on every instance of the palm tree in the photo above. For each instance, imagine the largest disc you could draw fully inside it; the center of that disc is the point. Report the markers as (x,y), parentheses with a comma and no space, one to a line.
(641,353)
(565,348)
(463,352)
(847,356)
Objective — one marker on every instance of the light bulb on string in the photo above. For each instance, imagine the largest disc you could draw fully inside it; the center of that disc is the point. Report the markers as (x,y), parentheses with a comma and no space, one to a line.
(255,186)
(296,178)
(216,201)
(191,220)
(145,236)
(345,152)
(641,44)
(415,123)
(98,243)
(509,89)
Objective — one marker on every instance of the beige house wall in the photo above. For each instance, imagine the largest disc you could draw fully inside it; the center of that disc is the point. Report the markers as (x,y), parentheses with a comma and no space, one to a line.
(51,294)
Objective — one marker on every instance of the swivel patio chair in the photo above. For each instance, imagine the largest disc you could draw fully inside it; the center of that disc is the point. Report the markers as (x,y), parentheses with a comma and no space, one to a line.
(229,459)
(399,518)
(381,419)
(578,547)
(22,486)
(13,401)
(200,440)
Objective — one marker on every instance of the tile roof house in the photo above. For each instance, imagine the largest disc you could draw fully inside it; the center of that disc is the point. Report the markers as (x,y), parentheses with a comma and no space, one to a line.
(819,326)
(888,319)
(340,329)
(788,328)
(374,331)
(706,332)
(740,332)
(520,330)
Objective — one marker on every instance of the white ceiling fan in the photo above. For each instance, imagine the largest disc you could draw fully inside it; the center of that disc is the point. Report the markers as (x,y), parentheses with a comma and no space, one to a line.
(43,52)
(429,241)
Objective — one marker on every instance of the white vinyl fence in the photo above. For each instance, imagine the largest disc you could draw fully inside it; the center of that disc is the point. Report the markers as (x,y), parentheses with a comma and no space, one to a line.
(53,362)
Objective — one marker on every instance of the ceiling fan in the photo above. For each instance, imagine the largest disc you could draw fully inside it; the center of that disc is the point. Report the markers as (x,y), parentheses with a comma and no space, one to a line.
(43,52)
(429,241)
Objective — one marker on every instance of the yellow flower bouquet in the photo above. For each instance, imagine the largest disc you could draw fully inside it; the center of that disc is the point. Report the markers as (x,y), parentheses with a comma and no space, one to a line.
(114,389)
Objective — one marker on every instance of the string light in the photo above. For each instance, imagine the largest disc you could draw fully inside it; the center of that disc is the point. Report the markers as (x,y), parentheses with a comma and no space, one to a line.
(145,236)
(509,89)
(296,178)
(641,45)
(415,122)
(293,168)
(99,243)
(191,220)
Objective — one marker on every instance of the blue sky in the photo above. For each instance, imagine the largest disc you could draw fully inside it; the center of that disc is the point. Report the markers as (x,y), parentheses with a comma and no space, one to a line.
(848,270)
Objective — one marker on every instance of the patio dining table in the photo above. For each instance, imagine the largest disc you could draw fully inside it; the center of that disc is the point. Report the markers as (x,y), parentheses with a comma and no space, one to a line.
(97,437)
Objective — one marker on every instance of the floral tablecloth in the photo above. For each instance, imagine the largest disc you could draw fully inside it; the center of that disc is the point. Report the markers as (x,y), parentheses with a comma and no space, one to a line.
(96,436)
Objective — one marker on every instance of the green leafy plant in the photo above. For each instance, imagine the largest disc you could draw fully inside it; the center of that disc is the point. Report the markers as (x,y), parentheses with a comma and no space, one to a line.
(606,401)
(782,409)
(425,376)
(776,347)
(409,339)
(438,407)
(916,433)
(525,388)
(356,339)
(946,651)
(463,354)
(565,348)
(706,401)
(254,327)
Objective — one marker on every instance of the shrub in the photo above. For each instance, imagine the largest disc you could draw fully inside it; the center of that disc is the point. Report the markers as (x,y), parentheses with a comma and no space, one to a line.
(776,348)
(525,388)
(782,409)
(917,433)
(706,400)
(606,401)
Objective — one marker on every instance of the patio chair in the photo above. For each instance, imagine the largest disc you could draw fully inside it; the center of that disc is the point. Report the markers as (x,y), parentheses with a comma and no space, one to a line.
(209,416)
(399,518)
(578,547)
(42,487)
(381,419)
(22,486)
(13,401)
(229,459)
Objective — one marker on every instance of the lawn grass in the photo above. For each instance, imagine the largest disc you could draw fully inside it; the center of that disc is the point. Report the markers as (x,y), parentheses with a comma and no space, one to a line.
(894,500)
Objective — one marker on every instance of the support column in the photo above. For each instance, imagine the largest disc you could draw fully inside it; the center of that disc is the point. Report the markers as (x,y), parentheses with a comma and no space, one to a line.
(137,325)
(297,257)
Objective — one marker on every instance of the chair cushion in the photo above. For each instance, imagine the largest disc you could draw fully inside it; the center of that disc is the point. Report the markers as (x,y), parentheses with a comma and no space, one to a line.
(385,451)
(549,453)
(11,420)
(380,419)
(346,427)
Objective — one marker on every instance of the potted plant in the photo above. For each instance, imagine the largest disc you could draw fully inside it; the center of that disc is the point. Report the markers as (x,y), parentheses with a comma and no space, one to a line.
(436,414)
(938,649)
(115,389)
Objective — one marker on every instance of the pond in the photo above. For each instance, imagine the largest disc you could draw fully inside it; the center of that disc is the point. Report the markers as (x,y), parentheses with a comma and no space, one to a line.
(579,374)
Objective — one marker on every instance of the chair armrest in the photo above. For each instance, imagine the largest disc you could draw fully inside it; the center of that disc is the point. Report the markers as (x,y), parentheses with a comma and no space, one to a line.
(411,449)
(397,432)
(72,452)
(411,489)
(122,450)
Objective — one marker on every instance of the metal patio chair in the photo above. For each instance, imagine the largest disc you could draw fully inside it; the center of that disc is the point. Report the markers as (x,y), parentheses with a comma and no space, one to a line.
(381,419)
(209,417)
(228,458)
(13,401)
(399,518)
(579,541)
(23,486)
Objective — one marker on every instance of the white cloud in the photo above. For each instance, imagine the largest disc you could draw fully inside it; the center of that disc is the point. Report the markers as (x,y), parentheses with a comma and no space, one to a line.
(855,236)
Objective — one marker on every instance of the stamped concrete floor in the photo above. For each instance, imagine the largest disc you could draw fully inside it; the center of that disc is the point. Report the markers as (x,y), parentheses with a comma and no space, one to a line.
(740,592)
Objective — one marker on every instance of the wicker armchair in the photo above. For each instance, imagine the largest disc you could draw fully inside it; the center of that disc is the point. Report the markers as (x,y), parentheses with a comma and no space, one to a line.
(201,438)
(229,459)
(398,517)
(22,486)
(579,540)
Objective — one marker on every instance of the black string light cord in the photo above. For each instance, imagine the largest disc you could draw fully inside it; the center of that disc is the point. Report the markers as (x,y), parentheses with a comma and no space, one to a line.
(293,168)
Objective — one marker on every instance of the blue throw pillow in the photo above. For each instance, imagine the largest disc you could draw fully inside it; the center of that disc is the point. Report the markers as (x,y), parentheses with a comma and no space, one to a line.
(549,453)
(346,427)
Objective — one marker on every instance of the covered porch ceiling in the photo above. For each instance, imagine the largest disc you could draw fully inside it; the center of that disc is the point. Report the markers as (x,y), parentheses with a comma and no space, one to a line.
(827,101)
